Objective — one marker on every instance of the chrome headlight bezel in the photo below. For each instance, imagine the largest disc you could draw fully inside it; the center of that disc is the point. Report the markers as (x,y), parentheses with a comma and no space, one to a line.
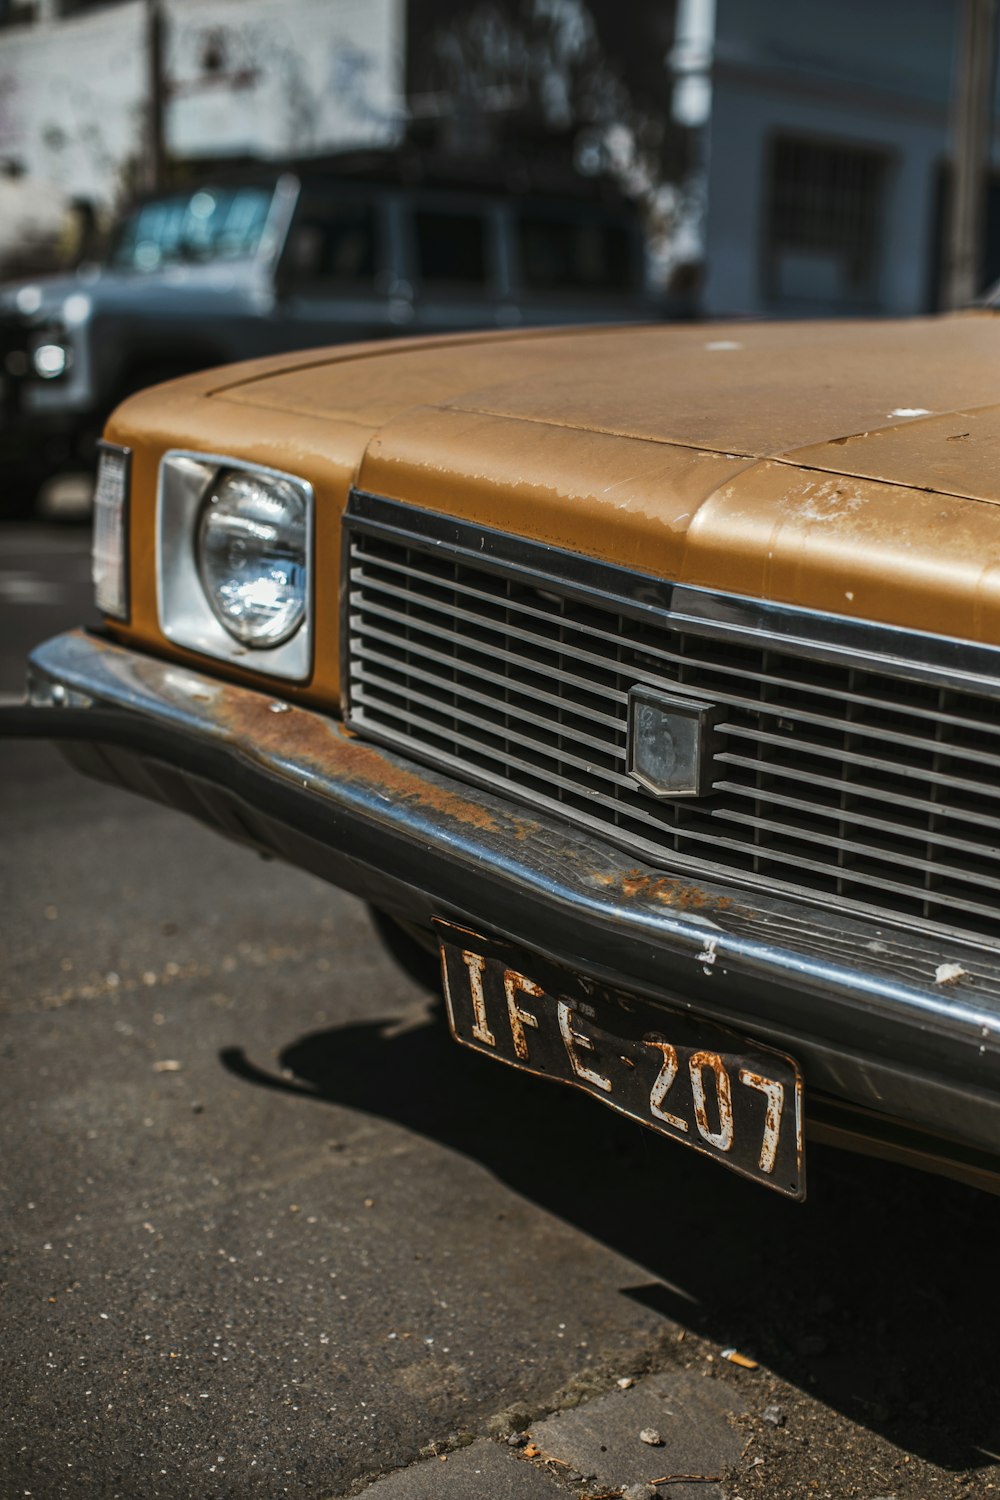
(185,613)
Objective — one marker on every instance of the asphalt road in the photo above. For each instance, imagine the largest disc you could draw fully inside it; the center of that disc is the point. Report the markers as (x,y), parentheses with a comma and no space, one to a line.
(267,1231)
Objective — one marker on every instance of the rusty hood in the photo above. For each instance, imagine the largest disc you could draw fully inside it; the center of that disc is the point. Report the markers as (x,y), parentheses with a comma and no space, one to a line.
(848,467)
(874,400)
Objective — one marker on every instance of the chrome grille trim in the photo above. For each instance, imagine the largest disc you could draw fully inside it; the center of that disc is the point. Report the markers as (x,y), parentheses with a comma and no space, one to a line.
(857,762)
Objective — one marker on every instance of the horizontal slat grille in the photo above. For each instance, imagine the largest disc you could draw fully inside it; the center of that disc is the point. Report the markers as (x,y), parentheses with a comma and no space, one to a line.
(877,790)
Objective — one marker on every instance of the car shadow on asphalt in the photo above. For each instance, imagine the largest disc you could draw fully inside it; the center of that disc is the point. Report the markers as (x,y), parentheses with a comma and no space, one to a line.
(877,1296)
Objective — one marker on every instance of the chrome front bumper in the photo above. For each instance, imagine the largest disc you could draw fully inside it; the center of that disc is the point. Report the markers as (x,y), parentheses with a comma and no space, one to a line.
(898,1036)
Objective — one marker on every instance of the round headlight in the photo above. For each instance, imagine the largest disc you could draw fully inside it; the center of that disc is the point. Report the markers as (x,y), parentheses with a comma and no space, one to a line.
(50,360)
(252,557)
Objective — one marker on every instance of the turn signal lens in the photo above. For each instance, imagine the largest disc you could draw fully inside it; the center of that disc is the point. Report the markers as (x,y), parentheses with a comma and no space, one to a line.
(110,552)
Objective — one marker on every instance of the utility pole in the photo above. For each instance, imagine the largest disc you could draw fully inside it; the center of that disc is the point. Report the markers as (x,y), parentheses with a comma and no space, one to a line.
(689,64)
(154,154)
(972,129)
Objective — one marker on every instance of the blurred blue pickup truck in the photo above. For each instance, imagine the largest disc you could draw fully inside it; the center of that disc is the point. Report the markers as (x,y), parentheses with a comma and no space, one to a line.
(284,260)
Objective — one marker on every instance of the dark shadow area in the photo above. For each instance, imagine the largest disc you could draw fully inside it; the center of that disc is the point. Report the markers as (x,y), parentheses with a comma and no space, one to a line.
(876,1295)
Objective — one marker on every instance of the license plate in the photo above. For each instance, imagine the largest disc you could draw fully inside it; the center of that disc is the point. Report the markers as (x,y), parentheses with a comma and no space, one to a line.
(692,1080)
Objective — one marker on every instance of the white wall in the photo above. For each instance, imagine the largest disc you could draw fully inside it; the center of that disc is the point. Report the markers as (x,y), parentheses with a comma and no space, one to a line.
(69,98)
(320,74)
(291,76)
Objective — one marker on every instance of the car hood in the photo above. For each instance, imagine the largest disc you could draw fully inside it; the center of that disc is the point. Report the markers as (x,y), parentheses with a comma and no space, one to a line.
(41,294)
(843,467)
(44,297)
(915,402)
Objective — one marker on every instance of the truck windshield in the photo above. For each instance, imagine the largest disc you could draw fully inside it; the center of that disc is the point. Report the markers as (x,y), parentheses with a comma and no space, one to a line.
(206,225)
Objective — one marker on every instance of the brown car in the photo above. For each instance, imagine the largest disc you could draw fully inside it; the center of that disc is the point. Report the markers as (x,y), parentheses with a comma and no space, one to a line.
(650,676)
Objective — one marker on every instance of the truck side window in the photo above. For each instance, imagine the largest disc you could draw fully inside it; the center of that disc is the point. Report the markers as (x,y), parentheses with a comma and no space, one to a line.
(451,247)
(332,241)
(564,254)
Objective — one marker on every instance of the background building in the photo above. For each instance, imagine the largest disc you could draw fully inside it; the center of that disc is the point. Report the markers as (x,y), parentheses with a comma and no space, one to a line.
(241,78)
(791,157)
(830,139)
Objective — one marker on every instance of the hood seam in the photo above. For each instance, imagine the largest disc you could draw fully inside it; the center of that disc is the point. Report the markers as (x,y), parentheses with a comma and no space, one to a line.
(786,459)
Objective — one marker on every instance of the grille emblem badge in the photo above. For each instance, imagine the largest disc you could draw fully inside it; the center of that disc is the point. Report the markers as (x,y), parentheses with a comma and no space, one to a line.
(671,742)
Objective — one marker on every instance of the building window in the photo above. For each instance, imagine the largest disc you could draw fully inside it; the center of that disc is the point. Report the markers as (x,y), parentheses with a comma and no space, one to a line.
(18,12)
(824,226)
(15,12)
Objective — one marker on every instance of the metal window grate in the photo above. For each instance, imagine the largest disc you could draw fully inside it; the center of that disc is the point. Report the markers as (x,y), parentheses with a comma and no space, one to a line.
(834,781)
(824,223)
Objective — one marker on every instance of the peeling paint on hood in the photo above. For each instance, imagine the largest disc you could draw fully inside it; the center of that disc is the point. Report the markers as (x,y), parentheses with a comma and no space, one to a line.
(878,400)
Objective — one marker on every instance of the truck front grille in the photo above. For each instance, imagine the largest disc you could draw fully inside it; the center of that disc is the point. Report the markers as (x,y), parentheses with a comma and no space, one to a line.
(865,782)
(13,363)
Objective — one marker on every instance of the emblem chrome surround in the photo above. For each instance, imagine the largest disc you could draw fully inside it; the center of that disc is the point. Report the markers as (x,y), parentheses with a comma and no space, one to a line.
(671,741)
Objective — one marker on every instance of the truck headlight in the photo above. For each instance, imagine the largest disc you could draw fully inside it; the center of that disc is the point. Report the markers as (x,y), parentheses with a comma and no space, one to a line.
(252,557)
(110,553)
(234,562)
(49,361)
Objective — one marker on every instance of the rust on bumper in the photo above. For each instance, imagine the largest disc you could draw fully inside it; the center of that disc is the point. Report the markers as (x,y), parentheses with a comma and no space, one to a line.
(860,1007)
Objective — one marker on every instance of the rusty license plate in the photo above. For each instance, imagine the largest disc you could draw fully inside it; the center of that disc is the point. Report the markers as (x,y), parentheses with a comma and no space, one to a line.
(690,1079)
